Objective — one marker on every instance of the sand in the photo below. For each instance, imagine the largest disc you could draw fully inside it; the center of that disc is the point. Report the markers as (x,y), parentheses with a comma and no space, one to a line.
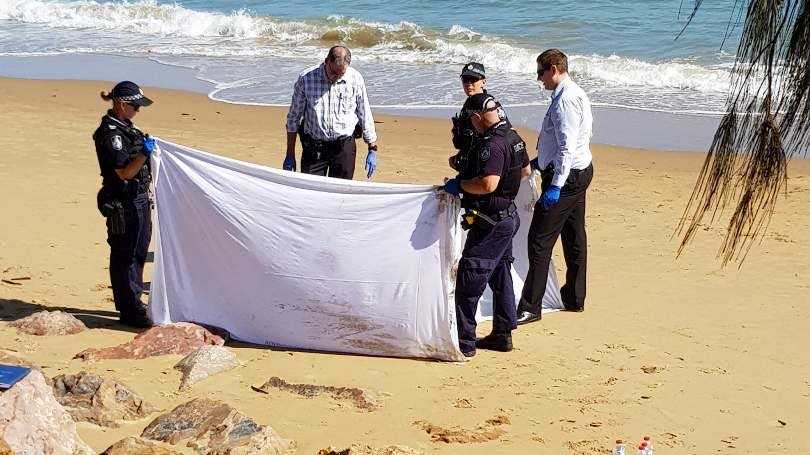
(701,358)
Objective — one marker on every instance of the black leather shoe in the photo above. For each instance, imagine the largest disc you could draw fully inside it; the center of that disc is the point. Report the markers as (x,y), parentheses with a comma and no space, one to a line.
(495,342)
(469,353)
(525,317)
(575,309)
(137,318)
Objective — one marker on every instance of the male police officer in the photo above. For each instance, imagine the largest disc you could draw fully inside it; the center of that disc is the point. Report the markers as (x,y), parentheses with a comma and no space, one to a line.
(489,178)
(123,155)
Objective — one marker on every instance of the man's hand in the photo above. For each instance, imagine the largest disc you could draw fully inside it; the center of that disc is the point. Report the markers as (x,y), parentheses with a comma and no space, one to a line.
(289,163)
(534,164)
(452,186)
(550,197)
(371,163)
(149,146)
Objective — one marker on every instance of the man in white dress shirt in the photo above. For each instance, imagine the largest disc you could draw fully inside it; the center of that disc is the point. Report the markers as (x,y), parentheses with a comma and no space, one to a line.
(329,104)
(564,159)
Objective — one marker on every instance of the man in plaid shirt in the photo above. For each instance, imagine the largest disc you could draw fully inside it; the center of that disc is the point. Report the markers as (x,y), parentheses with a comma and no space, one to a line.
(331,99)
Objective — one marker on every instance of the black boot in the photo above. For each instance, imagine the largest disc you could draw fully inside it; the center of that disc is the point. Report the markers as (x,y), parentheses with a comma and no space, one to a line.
(501,342)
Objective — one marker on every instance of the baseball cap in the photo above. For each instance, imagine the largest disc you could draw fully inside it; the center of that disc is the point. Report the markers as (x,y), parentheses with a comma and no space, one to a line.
(129,92)
(474,69)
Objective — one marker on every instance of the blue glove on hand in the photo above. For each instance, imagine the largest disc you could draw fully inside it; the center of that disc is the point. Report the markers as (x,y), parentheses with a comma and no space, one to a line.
(149,146)
(289,163)
(550,197)
(452,186)
(534,164)
(371,163)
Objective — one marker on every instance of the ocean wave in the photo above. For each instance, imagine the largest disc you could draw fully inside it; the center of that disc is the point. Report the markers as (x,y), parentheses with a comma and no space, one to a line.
(244,34)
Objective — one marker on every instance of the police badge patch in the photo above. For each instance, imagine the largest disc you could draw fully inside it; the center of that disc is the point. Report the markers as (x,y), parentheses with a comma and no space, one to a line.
(116,143)
(485,153)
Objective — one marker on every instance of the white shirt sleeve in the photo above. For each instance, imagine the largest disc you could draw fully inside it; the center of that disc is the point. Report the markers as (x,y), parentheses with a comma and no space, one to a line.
(566,118)
(364,113)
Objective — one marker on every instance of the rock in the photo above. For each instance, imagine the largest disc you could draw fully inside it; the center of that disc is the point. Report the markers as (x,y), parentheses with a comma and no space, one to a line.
(32,421)
(91,398)
(355,449)
(49,323)
(138,446)
(13,358)
(362,399)
(215,428)
(4,448)
(178,338)
(204,362)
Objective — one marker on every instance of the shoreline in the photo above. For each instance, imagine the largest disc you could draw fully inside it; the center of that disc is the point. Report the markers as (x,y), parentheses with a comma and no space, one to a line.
(617,126)
(699,357)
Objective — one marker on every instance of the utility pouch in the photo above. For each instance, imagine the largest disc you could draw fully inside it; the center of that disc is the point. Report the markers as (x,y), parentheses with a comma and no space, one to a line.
(113,210)
(473,217)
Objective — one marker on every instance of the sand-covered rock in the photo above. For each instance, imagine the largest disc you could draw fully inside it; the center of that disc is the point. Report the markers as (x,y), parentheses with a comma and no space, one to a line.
(4,448)
(32,422)
(215,428)
(204,362)
(138,446)
(91,398)
(178,338)
(356,449)
(362,399)
(49,323)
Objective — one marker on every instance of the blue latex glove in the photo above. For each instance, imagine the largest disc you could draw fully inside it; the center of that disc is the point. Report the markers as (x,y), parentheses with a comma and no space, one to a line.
(550,197)
(534,164)
(452,186)
(149,146)
(371,163)
(289,163)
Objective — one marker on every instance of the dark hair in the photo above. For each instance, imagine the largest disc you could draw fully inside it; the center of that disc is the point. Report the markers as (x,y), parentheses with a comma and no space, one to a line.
(554,57)
(106,96)
(332,55)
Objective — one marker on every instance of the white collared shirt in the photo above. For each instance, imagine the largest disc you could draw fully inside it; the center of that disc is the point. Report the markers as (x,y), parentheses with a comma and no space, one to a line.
(565,132)
(331,110)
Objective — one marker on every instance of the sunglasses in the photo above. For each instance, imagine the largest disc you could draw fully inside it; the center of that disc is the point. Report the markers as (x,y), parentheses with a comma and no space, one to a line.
(136,107)
(540,72)
(469,79)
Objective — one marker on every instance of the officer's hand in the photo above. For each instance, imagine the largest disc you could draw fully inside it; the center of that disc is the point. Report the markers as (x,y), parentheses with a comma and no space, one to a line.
(452,186)
(149,146)
(289,163)
(550,197)
(371,163)
(534,164)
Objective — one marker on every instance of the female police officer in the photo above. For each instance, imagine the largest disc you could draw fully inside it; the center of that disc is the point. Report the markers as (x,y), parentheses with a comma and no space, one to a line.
(488,180)
(123,153)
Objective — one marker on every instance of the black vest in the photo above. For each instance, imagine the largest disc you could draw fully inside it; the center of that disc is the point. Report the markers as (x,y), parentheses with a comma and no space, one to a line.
(107,151)
(509,185)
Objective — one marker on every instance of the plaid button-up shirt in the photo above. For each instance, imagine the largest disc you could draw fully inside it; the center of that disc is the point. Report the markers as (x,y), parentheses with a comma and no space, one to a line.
(330,110)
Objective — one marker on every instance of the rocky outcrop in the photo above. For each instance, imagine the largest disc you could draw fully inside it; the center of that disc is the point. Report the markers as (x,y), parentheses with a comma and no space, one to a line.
(138,446)
(356,449)
(215,428)
(4,448)
(491,430)
(204,362)
(49,323)
(13,358)
(91,398)
(32,422)
(179,338)
(360,398)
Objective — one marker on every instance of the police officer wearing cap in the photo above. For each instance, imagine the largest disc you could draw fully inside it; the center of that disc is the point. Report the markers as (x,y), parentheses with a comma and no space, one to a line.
(473,81)
(123,153)
(488,181)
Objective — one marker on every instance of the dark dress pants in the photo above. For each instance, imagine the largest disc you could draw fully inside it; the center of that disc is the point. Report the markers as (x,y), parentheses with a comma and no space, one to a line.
(128,255)
(566,219)
(333,158)
(486,259)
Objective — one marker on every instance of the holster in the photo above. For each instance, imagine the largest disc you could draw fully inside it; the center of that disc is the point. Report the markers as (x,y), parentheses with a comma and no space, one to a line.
(113,210)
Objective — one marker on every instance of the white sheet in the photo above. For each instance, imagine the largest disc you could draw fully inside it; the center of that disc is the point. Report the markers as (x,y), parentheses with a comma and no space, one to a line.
(306,262)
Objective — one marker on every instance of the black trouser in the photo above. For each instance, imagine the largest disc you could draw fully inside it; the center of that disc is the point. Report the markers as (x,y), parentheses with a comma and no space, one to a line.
(486,259)
(566,218)
(128,255)
(332,158)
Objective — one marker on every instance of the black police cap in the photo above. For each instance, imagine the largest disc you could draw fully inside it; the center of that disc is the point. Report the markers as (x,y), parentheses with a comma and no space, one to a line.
(474,69)
(477,102)
(129,92)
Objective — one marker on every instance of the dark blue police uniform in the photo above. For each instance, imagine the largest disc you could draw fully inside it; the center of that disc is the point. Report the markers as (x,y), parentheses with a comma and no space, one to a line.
(127,207)
(492,221)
